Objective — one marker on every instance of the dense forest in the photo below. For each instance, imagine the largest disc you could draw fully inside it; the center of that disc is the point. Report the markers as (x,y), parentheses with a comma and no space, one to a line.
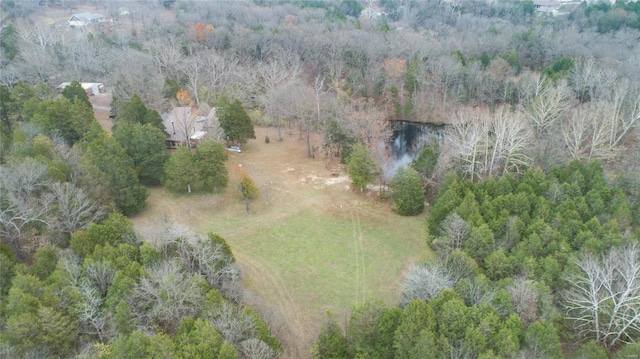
(533,184)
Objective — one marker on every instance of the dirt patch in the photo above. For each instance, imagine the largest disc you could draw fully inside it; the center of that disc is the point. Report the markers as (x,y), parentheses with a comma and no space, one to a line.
(101,101)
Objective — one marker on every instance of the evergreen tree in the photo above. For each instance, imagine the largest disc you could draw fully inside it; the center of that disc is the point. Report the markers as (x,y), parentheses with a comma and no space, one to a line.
(110,175)
(361,167)
(227,351)
(76,94)
(196,339)
(330,344)
(135,111)
(180,174)
(426,161)
(145,145)
(203,170)
(416,317)
(208,161)
(234,120)
(72,120)
(407,193)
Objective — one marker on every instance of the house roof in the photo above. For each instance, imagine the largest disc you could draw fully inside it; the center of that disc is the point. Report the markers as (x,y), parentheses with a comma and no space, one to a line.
(86,16)
(172,123)
(546,3)
(198,135)
(85,85)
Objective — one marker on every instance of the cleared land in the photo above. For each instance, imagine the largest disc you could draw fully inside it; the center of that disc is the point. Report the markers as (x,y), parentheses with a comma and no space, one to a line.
(309,246)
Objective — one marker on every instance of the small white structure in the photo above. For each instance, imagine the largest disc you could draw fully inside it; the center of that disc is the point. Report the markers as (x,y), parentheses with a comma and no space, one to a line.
(547,6)
(92,88)
(85,18)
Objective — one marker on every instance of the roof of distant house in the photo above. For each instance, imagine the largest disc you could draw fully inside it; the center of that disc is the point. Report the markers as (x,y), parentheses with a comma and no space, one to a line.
(85,85)
(173,122)
(87,16)
(547,3)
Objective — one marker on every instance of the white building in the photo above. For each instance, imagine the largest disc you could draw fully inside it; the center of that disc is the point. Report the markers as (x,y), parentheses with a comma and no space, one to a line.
(85,18)
(92,88)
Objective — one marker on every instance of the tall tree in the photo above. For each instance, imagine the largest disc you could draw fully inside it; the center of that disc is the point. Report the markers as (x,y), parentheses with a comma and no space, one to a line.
(361,167)
(330,343)
(209,160)
(165,295)
(72,209)
(75,93)
(135,111)
(602,300)
(237,125)
(72,120)
(274,74)
(417,318)
(407,193)
(145,144)
(23,204)
(179,173)
(203,170)
(111,175)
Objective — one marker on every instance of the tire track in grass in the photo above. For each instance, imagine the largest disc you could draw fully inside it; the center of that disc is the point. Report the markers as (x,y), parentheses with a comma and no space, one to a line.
(359,253)
(280,295)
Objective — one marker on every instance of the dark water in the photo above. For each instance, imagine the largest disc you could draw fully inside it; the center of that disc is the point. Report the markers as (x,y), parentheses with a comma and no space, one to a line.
(409,138)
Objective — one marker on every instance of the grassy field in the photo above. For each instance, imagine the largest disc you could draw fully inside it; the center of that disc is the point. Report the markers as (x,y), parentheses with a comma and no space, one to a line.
(310,245)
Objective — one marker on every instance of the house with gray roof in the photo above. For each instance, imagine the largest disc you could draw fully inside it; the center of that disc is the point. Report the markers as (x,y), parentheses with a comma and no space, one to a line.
(85,18)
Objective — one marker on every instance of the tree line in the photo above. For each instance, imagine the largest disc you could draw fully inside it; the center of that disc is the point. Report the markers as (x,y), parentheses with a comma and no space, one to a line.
(173,295)
(544,265)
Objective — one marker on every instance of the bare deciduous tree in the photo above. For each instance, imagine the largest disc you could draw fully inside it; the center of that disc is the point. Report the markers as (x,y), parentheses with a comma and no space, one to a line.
(456,230)
(165,236)
(101,275)
(546,107)
(184,123)
(166,55)
(229,321)
(484,143)
(524,299)
(511,142)
(603,299)
(255,348)
(166,295)
(22,201)
(71,210)
(210,261)
(274,74)
(589,81)
(93,319)
(466,139)
(219,71)
(192,68)
(425,282)
(38,34)
(135,73)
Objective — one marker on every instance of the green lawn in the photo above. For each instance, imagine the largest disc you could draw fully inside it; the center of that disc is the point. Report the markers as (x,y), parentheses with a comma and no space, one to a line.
(312,248)
(325,262)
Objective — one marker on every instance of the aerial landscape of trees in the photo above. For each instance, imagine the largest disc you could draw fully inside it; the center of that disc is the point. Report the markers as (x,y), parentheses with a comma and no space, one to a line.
(525,172)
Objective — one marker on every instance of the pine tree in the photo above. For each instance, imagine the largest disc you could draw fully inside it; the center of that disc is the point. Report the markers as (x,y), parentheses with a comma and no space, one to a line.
(76,94)
(234,120)
(209,161)
(135,111)
(361,167)
(407,193)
